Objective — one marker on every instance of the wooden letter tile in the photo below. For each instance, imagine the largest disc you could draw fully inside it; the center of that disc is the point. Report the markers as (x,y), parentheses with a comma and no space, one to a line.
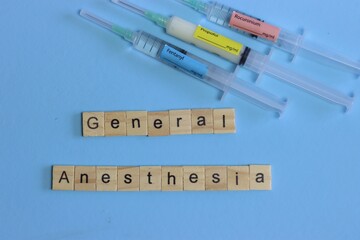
(180,122)
(216,178)
(260,177)
(150,178)
(93,124)
(136,123)
(224,121)
(238,178)
(172,178)
(106,178)
(158,123)
(128,179)
(85,178)
(194,178)
(202,121)
(115,124)
(63,178)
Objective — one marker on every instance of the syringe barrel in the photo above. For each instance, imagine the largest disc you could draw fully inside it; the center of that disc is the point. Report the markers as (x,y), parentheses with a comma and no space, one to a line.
(260,63)
(171,55)
(206,39)
(253,27)
(182,60)
(203,70)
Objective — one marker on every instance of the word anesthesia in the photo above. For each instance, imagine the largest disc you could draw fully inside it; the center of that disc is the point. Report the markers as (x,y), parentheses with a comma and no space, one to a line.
(173,122)
(162,178)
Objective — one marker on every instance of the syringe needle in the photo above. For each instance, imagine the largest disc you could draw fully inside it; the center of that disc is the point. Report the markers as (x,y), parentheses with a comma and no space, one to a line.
(132,7)
(96,19)
(197,5)
(152,16)
(125,33)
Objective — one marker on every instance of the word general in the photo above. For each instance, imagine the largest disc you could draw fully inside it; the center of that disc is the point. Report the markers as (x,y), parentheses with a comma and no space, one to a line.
(173,122)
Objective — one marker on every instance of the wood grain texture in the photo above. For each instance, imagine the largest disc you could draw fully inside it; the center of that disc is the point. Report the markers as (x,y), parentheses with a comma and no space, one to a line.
(202,121)
(85,178)
(194,178)
(63,178)
(180,122)
(162,178)
(260,177)
(129,179)
(172,178)
(93,124)
(106,178)
(216,178)
(115,123)
(224,121)
(158,123)
(150,178)
(238,178)
(136,123)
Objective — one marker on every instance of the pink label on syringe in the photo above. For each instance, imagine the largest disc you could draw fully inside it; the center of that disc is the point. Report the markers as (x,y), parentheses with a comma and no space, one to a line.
(254,26)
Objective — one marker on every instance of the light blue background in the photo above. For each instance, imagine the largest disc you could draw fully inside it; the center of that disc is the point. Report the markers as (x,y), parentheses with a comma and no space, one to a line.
(55,65)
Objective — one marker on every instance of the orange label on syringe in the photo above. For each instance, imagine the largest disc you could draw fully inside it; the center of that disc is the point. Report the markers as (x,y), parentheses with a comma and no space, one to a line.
(254,26)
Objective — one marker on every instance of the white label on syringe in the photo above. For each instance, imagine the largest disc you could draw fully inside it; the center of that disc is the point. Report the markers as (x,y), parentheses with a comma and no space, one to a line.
(254,26)
(187,63)
(217,40)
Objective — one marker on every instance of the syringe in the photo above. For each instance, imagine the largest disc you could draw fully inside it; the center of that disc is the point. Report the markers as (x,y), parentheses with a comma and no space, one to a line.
(190,64)
(236,53)
(279,37)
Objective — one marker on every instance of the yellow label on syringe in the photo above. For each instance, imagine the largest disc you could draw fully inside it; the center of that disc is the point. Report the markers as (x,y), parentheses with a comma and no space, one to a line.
(218,40)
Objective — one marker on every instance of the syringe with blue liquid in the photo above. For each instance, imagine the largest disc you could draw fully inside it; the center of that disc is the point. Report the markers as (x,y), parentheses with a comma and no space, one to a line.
(237,53)
(190,64)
